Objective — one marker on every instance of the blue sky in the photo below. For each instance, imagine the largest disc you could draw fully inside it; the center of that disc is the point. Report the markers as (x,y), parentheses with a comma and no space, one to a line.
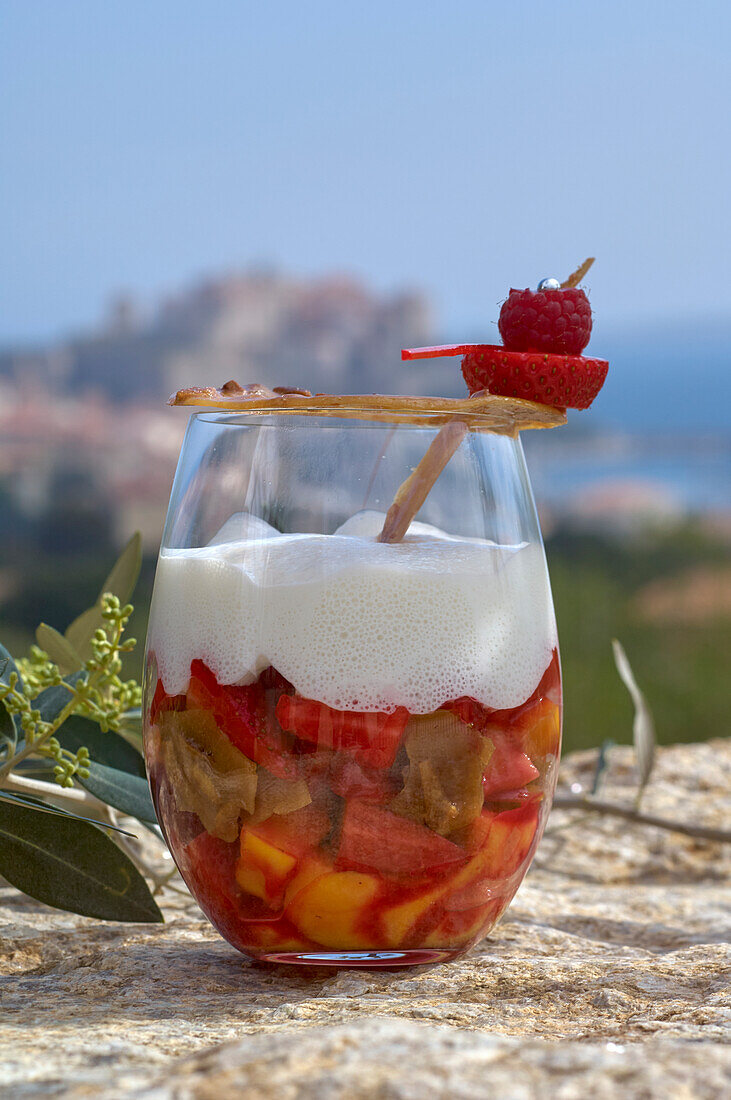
(462,147)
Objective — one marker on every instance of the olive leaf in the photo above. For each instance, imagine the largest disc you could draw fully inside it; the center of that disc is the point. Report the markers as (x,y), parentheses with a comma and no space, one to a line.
(120,582)
(58,648)
(71,865)
(107,748)
(127,793)
(643,727)
(15,797)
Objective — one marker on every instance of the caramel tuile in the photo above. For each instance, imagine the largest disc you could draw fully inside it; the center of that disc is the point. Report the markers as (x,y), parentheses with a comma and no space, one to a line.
(480,412)
(414,491)
(575,278)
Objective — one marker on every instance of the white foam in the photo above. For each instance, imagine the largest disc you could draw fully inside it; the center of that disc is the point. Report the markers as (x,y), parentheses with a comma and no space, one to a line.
(358,624)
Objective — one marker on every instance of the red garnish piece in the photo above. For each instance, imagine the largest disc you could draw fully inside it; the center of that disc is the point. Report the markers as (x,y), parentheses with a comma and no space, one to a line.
(546,320)
(438,351)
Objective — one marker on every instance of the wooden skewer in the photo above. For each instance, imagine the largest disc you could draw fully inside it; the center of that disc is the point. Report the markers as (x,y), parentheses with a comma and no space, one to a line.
(414,491)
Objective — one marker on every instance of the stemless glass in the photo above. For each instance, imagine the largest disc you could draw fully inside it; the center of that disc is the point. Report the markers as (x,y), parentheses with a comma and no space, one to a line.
(352,744)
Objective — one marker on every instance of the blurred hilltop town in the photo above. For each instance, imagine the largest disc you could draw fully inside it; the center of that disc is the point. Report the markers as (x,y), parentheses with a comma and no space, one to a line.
(88,443)
(87,417)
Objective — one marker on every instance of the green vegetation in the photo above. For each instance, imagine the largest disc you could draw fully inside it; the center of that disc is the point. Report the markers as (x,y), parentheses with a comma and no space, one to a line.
(682,667)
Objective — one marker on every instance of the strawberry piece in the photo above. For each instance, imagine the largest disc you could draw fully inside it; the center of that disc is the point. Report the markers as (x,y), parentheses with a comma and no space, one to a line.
(546,320)
(378,839)
(243,714)
(509,770)
(571,381)
(349,779)
(549,378)
(371,737)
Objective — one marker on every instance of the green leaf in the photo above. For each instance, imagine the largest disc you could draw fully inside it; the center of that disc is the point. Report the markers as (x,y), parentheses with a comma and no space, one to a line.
(128,793)
(53,700)
(45,807)
(123,577)
(8,726)
(71,865)
(120,582)
(58,648)
(104,748)
(7,667)
(83,628)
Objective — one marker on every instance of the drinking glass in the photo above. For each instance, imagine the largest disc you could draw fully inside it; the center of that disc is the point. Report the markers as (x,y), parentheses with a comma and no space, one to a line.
(352,744)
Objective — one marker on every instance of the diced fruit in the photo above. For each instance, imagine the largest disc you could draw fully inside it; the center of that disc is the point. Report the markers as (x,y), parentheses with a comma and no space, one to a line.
(298,832)
(161,701)
(278,796)
(372,738)
(208,775)
(373,837)
(443,783)
(398,919)
(457,928)
(508,769)
(263,869)
(270,851)
(242,714)
(349,779)
(273,936)
(309,868)
(508,841)
(333,910)
(540,729)
(474,835)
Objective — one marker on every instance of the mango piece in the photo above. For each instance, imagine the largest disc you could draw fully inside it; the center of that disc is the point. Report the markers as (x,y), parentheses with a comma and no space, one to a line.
(541,727)
(458,928)
(398,920)
(263,870)
(308,869)
(332,910)
(273,936)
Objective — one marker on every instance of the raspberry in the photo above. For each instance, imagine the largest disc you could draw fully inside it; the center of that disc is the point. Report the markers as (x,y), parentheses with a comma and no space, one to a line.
(548,378)
(546,320)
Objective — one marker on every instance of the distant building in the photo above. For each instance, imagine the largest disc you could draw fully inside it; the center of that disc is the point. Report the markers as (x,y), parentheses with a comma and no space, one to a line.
(326,334)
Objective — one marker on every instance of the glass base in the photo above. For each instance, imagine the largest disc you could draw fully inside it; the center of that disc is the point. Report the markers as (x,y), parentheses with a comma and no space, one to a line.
(360,960)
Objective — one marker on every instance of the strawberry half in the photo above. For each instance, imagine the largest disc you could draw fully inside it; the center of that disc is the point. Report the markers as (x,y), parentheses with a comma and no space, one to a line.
(549,378)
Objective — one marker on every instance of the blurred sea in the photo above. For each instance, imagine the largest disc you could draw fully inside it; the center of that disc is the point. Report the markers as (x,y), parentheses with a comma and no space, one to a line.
(663,419)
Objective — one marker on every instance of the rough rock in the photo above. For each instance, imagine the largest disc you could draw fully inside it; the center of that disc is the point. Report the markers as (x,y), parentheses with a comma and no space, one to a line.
(609,976)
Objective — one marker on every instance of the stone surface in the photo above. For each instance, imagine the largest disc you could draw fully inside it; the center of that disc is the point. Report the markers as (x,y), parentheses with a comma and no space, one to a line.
(610,976)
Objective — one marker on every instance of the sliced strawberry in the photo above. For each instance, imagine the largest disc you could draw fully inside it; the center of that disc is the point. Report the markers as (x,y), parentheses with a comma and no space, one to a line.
(371,737)
(374,837)
(549,378)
